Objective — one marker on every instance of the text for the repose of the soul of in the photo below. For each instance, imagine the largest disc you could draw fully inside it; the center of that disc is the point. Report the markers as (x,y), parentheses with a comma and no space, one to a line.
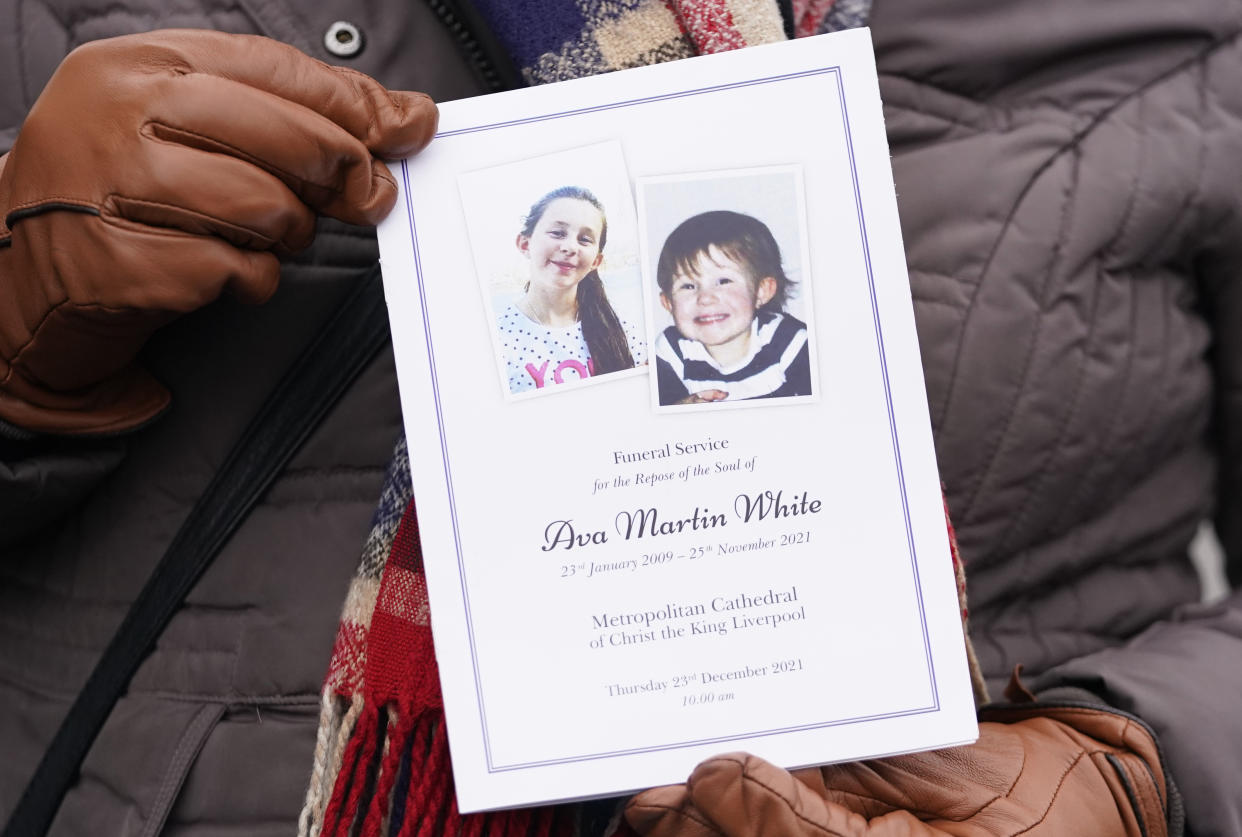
(670,474)
(652,522)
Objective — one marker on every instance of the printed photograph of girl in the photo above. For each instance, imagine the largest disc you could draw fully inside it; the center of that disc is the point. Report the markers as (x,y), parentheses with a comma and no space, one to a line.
(724,276)
(565,300)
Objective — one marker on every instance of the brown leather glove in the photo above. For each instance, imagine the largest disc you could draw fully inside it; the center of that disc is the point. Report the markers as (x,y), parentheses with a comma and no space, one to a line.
(1035,770)
(155,172)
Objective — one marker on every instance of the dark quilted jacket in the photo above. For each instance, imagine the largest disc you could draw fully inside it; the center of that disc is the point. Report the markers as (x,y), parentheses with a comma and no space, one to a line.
(1068,180)
(1067,176)
(217,732)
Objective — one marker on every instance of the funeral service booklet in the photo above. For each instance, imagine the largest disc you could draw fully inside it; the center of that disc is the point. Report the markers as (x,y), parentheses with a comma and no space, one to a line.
(675,482)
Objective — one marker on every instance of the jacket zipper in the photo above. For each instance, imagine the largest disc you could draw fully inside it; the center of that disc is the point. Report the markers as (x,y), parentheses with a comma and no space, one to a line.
(478,44)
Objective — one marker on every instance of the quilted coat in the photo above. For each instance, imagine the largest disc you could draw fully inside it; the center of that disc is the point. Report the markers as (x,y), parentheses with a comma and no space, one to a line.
(1068,183)
(1068,180)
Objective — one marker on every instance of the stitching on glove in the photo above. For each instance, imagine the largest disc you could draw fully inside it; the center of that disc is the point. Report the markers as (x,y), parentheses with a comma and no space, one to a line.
(34,332)
(123,223)
(74,199)
(920,812)
(242,155)
(681,812)
(17,357)
(1014,783)
(1162,799)
(1055,793)
(195,214)
(746,777)
(1147,735)
(49,203)
(1132,792)
(1148,794)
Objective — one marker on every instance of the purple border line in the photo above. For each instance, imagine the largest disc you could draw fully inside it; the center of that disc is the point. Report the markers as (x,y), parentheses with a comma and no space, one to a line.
(680,94)
(492,768)
(888,394)
(448,475)
(903,713)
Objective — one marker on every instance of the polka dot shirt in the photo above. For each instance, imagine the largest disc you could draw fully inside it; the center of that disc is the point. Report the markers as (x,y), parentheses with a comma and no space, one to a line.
(538,356)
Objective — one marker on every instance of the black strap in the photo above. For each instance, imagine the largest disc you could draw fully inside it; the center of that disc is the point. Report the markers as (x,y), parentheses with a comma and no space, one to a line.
(314,384)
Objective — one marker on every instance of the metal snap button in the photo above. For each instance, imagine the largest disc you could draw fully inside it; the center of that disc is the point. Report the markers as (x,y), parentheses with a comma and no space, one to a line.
(343,39)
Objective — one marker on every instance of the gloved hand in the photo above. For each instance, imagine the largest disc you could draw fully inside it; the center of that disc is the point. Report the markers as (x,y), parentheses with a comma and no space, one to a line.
(1035,770)
(155,172)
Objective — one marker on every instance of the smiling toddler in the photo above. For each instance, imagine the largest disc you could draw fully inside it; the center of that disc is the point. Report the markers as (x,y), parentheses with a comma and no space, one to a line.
(721,278)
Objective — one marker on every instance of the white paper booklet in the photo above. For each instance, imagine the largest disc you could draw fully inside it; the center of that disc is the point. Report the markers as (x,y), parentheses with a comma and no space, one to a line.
(671,451)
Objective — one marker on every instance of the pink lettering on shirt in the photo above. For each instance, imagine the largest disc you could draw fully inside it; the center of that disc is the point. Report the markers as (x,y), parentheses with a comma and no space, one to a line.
(538,374)
(558,373)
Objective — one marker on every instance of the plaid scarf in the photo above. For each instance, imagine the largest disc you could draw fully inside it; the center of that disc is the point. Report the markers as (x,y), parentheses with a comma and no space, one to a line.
(381,757)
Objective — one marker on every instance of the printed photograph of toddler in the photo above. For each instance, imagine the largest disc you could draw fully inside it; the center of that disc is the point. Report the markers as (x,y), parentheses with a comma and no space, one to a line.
(725,279)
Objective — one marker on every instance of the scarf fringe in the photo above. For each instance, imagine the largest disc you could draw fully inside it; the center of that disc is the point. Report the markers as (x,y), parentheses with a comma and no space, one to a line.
(323,738)
(385,772)
(346,794)
(377,818)
(337,719)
